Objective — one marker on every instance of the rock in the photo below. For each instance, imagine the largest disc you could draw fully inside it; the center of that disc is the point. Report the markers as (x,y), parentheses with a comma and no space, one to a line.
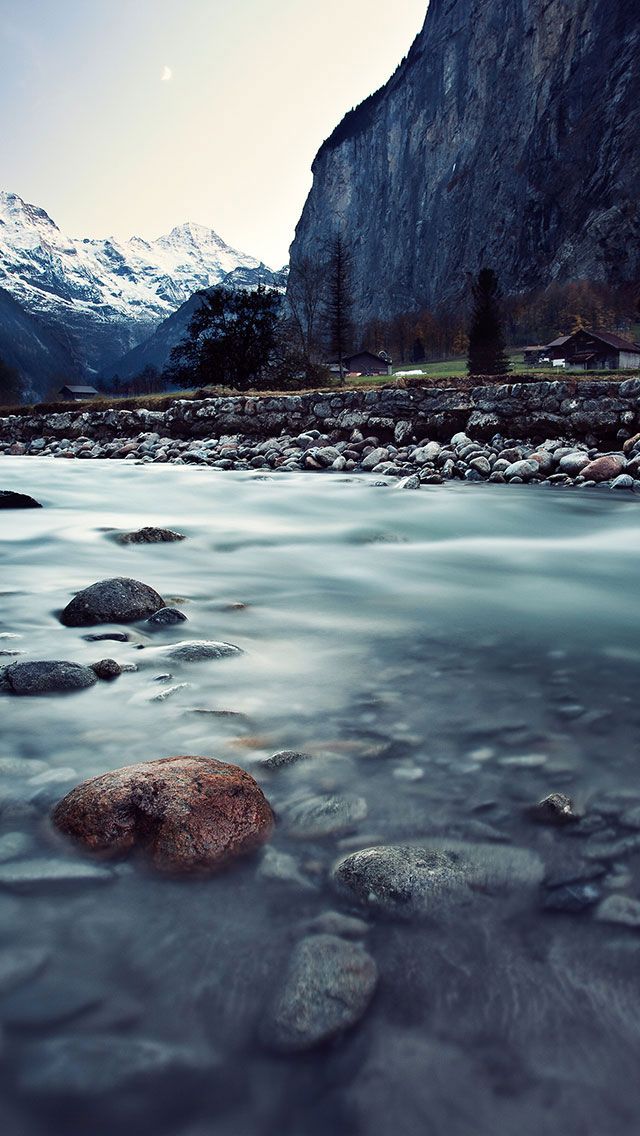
(167,616)
(285,757)
(107,669)
(50,677)
(11,500)
(623,481)
(49,1000)
(374,458)
(480,465)
(409,881)
(573,463)
(149,535)
(554,809)
(114,636)
(197,651)
(15,844)
(604,468)
(87,1066)
(619,909)
(326,990)
(324,815)
(335,923)
(412,482)
(20,964)
(281,866)
(118,600)
(190,814)
(572,898)
(524,470)
(30,875)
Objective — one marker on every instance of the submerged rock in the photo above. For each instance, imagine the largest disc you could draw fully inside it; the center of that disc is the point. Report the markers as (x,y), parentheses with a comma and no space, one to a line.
(118,600)
(107,669)
(283,758)
(11,500)
(149,535)
(557,808)
(20,964)
(85,1065)
(48,677)
(324,815)
(327,988)
(620,909)
(190,814)
(29,875)
(199,651)
(167,616)
(410,881)
(572,898)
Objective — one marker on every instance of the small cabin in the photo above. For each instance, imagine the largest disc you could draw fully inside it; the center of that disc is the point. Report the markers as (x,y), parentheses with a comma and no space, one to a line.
(78,394)
(594,351)
(367,363)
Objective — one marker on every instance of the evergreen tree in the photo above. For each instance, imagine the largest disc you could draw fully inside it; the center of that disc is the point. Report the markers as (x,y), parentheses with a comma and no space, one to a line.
(487,355)
(339,301)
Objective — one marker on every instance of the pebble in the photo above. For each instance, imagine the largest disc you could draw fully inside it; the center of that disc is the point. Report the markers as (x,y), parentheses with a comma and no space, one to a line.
(327,987)
(619,909)
(98,1066)
(318,816)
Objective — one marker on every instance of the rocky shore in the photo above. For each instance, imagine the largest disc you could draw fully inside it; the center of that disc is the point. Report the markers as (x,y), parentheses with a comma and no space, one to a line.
(501,460)
(550,432)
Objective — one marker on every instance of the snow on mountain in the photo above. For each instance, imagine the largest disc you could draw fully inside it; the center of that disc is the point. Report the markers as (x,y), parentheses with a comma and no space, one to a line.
(108,295)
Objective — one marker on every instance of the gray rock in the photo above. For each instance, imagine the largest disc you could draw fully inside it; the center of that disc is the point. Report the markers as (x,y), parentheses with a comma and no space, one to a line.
(524,470)
(118,600)
(409,881)
(281,866)
(324,815)
(572,898)
(13,845)
(88,1066)
(374,458)
(48,677)
(326,990)
(623,481)
(619,909)
(198,651)
(285,757)
(20,964)
(46,872)
(481,466)
(336,923)
(167,616)
(573,463)
(557,808)
(149,535)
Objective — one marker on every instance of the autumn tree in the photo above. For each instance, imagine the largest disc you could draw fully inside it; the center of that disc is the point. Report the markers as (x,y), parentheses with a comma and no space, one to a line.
(486,355)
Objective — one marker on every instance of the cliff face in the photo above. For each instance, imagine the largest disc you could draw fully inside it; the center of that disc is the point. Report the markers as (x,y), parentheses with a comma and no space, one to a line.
(509,137)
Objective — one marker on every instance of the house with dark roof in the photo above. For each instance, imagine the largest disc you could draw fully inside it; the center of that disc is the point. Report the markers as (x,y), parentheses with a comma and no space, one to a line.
(593,351)
(77,394)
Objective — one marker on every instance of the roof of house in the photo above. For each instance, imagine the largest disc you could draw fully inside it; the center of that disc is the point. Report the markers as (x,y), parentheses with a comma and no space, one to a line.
(559,342)
(79,390)
(617,341)
(367,354)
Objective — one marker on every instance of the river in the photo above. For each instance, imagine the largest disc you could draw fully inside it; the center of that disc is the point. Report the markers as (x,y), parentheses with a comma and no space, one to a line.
(449,656)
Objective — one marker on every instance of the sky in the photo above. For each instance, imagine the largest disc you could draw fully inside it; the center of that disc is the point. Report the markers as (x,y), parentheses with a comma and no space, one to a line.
(123,117)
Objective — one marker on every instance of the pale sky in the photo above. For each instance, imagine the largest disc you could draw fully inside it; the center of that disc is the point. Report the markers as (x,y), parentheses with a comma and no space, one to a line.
(124,117)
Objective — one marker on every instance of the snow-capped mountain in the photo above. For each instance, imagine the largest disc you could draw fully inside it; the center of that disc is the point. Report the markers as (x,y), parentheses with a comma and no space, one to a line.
(107,295)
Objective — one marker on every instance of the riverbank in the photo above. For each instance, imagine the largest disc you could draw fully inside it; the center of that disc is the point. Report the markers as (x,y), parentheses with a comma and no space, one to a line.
(502,460)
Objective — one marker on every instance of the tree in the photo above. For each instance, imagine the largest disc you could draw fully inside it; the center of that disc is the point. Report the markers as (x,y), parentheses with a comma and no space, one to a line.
(339,300)
(487,354)
(10,385)
(304,297)
(231,339)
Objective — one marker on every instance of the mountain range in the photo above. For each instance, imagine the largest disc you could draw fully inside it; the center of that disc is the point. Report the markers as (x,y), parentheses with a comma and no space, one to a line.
(509,137)
(72,307)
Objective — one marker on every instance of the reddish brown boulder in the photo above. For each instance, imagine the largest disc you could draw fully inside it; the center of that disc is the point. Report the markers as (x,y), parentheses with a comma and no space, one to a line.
(603,469)
(190,814)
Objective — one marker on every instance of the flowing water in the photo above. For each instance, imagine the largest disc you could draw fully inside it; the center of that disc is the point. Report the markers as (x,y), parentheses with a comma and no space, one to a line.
(450,656)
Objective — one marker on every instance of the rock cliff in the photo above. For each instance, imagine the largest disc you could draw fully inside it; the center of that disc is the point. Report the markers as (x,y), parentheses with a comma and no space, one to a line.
(509,136)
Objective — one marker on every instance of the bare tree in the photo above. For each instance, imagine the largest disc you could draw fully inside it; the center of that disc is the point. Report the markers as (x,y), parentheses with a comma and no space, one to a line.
(305,290)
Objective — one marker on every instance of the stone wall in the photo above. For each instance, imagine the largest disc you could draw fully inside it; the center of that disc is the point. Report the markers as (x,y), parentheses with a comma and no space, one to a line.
(597,409)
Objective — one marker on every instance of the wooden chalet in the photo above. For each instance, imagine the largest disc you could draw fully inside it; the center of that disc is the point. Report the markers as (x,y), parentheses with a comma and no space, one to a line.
(367,363)
(593,351)
(78,394)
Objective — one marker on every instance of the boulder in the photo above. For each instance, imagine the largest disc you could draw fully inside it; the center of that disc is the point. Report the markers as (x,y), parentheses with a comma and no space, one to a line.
(149,535)
(411,881)
(190,814)
(326,989)
(11,500)
(604,468)
(118,600)
(48,677)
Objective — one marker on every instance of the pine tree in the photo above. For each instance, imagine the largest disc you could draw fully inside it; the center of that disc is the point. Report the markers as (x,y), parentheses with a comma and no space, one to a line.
(339,300)
(487,355)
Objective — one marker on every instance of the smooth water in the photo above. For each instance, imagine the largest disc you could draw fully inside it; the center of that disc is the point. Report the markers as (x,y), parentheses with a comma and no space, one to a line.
(450,655)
